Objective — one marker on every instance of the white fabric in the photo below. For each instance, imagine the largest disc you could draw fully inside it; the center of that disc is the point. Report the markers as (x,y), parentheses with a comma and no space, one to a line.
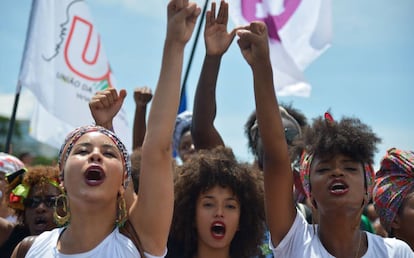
(64,65)
(114,245)
(301,241)
(299,31)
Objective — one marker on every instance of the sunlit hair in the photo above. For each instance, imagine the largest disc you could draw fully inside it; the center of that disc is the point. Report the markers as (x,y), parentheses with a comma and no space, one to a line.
(206,170)
(348,136)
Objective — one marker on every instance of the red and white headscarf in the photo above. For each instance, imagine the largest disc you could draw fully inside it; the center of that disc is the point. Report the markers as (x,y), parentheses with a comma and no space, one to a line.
(9,163)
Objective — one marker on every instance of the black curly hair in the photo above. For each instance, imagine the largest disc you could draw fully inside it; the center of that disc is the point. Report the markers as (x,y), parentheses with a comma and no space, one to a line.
(348,136)
(218,167)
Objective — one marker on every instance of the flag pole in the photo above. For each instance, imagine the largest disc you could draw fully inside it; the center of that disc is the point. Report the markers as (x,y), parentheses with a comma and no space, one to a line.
(190,61)
(12,119)
(18,87)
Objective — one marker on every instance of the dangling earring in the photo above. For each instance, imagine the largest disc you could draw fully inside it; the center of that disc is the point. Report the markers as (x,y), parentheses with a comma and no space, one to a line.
(122,214)
(61,201)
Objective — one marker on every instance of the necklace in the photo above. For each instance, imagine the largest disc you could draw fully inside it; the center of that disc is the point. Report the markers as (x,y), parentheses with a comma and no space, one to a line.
(359,244)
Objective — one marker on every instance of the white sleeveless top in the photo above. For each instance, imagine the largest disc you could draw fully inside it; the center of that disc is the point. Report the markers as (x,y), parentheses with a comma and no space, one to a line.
(302,241)
(114,245)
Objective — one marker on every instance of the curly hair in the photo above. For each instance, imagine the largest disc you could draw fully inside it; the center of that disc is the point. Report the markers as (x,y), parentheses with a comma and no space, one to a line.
(349,137)
(219,167)
(37,175)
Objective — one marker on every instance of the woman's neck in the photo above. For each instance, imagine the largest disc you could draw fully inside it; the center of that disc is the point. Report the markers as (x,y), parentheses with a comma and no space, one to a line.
(204,251)
(85,233)
(342,238)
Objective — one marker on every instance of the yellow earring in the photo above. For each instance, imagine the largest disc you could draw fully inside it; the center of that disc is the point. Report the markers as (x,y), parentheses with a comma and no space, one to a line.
(122,215)
(61,201)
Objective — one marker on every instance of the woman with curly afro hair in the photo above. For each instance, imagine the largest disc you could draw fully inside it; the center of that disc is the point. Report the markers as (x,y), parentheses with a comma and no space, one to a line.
(219,208)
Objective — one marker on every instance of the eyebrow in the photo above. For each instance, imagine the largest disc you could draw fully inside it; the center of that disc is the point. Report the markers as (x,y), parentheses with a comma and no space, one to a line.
(105,145)
(227,199)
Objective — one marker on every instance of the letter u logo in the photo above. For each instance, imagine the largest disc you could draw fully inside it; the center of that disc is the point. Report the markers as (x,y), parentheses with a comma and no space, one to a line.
(83,53)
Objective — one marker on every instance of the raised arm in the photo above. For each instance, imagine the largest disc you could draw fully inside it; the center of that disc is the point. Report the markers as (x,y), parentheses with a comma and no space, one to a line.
(142,97)
(278,177)
(151,216)
(104,106)
(217,41)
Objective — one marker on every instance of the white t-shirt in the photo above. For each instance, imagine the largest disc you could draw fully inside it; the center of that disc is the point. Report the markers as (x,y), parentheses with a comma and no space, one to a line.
(114,245)
(302,241)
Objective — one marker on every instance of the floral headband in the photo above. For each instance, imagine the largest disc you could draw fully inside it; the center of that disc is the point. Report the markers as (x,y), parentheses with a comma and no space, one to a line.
(74,136)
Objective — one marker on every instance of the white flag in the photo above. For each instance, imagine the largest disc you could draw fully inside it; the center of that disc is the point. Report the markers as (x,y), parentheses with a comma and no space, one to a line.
(64,64)
(299,32)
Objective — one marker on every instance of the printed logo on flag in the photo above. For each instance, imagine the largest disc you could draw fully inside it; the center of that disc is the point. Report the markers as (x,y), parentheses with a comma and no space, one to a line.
(274,13)
(82,54)
(64,65)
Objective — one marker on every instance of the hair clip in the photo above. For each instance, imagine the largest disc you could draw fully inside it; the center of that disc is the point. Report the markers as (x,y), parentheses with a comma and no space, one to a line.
(15,178)
(328,118)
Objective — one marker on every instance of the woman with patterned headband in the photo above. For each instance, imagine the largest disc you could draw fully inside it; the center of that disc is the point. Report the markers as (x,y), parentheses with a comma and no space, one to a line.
(32,195)
(336,172)
(95,170)
(394,194)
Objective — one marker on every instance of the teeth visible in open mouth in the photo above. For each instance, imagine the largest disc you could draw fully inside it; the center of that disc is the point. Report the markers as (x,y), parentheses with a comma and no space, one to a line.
(338,186)
(218,229)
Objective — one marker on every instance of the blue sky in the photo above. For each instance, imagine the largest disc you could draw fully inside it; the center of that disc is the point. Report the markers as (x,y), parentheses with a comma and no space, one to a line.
(368,72)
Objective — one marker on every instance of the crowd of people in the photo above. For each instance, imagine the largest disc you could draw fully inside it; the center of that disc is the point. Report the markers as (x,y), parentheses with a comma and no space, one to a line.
(311,190)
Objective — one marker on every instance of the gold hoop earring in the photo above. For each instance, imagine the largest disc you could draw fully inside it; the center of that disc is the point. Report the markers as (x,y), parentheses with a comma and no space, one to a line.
(61,202)
(122,214)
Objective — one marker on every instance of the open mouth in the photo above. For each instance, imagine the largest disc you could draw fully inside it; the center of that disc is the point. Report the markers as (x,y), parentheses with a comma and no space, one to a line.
(40,221)
(218,229)
(338,188)
(94,176)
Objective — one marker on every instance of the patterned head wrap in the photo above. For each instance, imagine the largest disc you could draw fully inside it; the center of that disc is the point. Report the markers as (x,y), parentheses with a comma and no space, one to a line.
(305,164)
(393,182)
(182,124)
(74,136)
(9,163)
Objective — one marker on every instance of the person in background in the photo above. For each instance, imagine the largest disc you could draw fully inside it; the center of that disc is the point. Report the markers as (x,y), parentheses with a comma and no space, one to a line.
(142,96)
(27,158)
(394,194)
(183,146)
(8,164)
(336,170)
(32,196)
